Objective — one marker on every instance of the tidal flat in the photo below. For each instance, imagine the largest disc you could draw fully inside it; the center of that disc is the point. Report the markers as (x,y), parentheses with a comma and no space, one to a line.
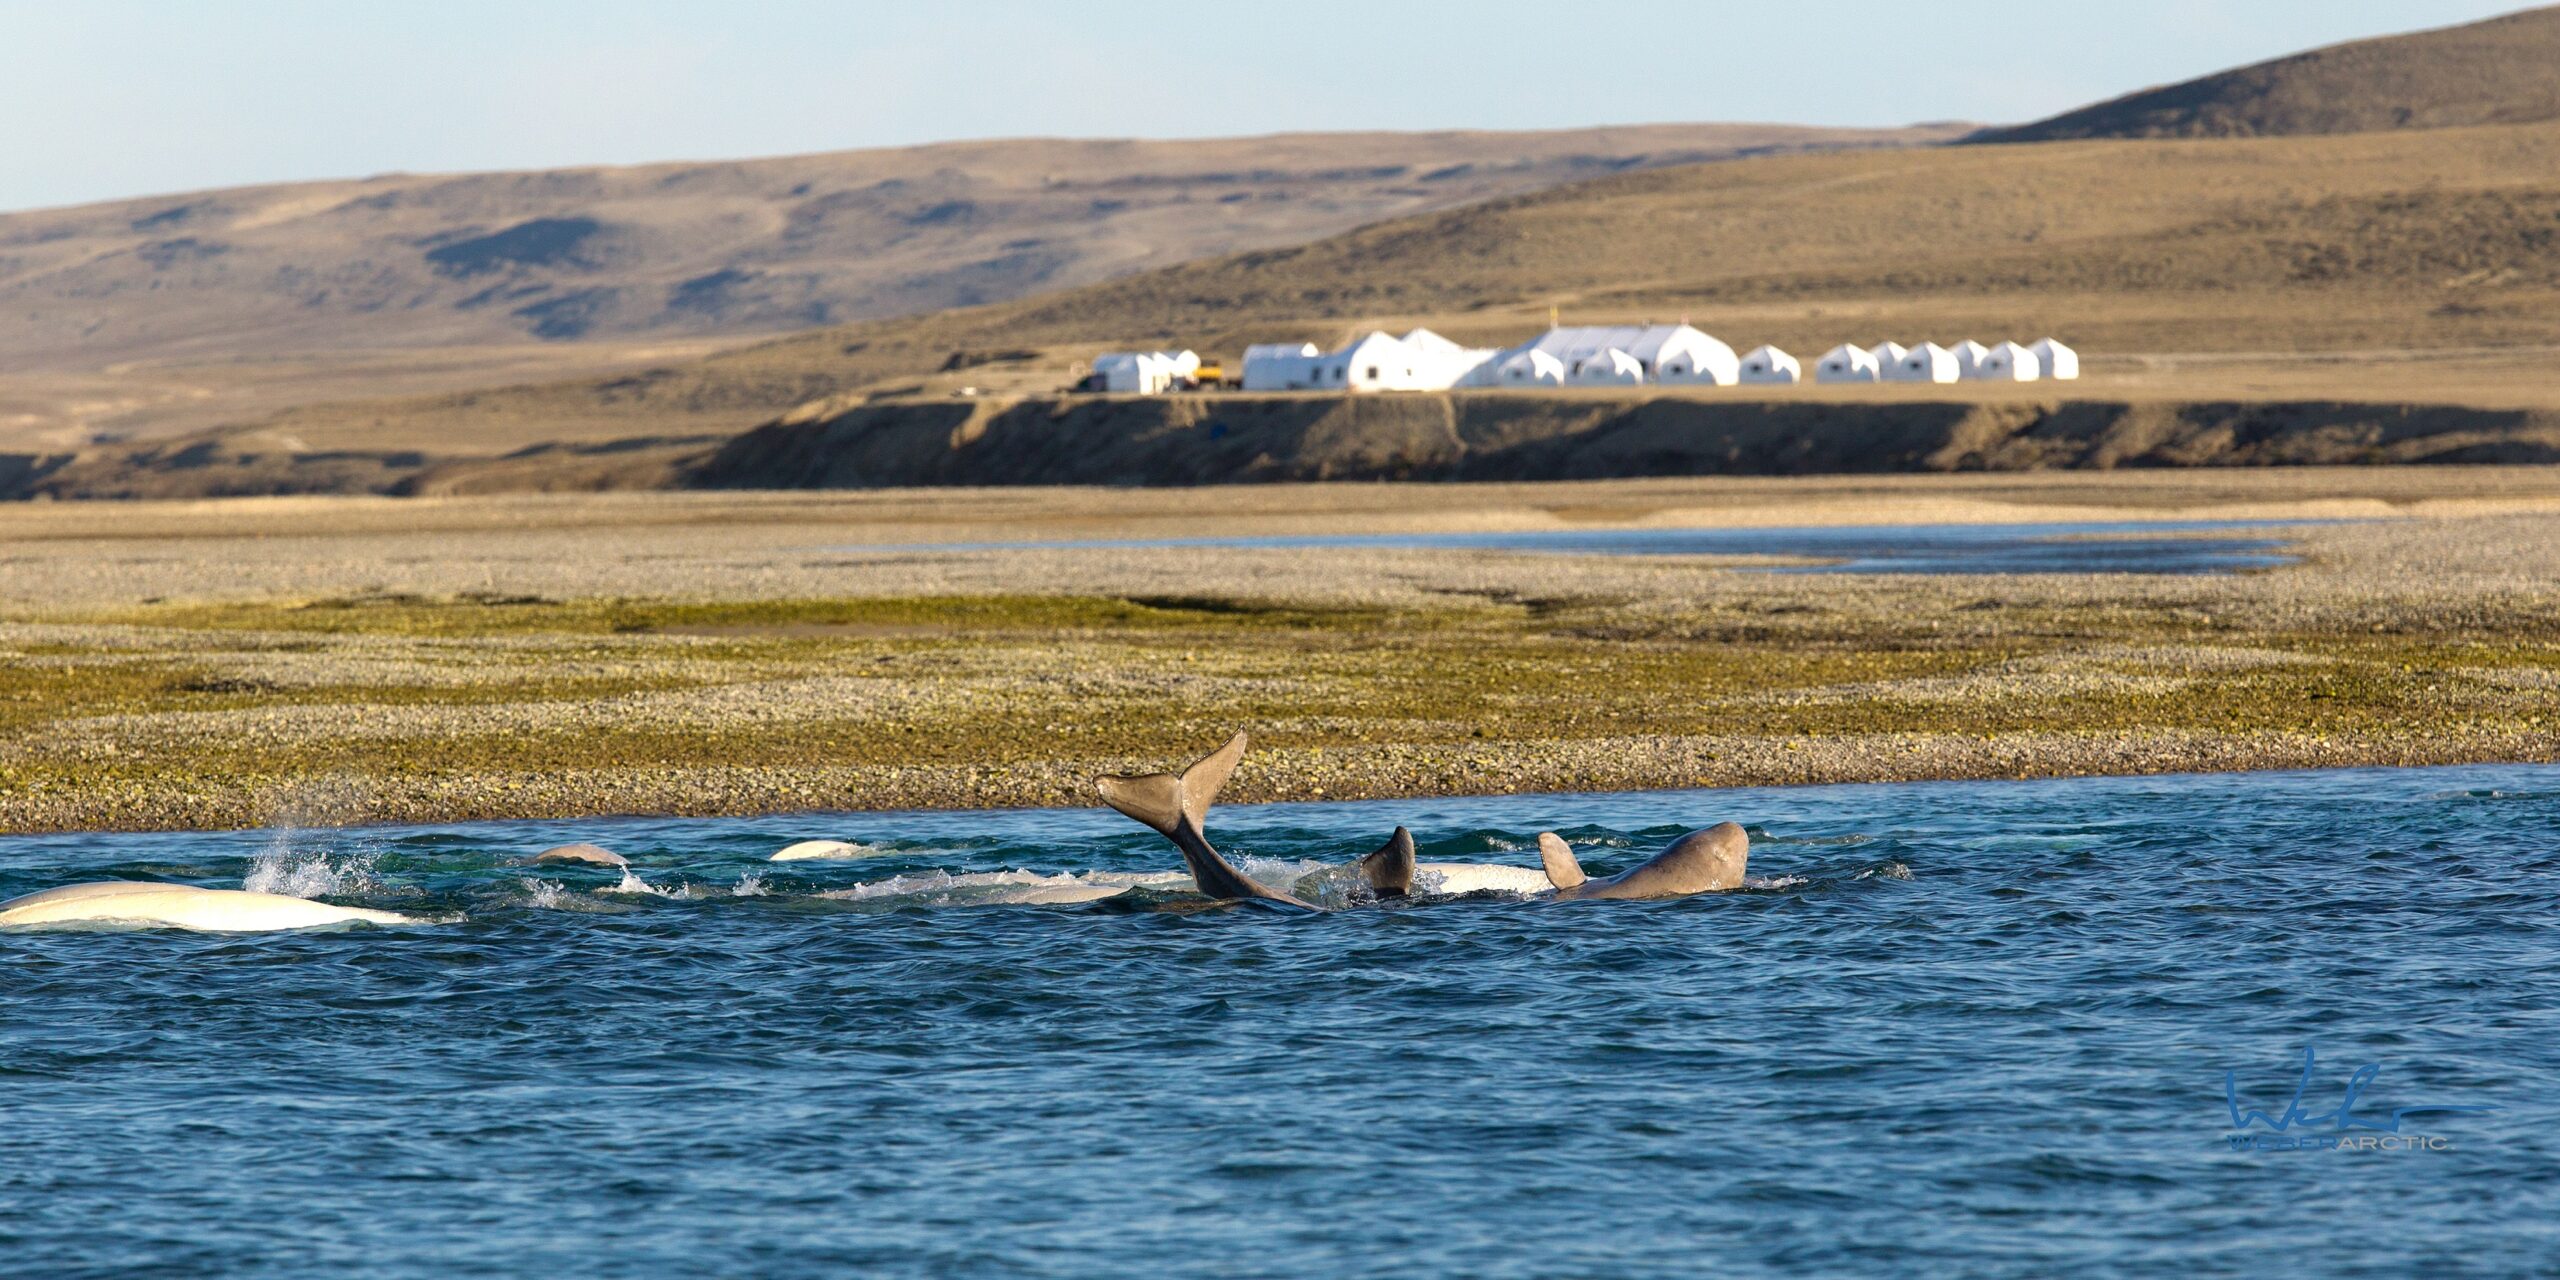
(246,663)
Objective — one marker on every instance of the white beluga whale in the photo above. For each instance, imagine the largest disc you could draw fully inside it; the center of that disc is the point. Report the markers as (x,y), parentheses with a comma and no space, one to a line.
(1177,807)
(821,851)
(180,906)
(1454,879)
(592,855)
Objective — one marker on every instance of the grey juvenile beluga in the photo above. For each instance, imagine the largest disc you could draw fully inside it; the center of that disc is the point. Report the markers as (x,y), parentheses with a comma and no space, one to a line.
(1177,806)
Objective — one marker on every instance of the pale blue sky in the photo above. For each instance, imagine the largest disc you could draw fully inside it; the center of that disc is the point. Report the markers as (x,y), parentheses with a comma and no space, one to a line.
(108,98)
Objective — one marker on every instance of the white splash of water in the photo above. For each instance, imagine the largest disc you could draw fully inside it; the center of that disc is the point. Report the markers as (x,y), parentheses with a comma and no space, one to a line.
(633,884)
(542,895)
(1889,871)
(1278,873)
(750,885)
(294,870)
(1773,882)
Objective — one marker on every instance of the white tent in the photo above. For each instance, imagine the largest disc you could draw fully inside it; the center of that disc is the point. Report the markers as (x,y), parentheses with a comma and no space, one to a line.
(1927,362)
(1608,368)
(1969,354)
(1439,364)
(2008,362)
(1847,364)
(1378,362)
(1280,366)
(1530,367)
(2061,363)
(1687,357)
(1424,340)
(1768,365)
(1419,361)
(1143,373)
(1889,357)
(1123,371)
(1664,352)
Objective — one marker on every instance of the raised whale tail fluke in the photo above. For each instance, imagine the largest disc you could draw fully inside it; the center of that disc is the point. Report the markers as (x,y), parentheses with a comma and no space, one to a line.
(1564,871)
(1177,806)
(1164,801)
(1389,871)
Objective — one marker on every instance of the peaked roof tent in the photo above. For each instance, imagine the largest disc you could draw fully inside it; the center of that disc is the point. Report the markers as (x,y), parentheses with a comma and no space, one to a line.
(1848,363)
(1927,362)
(1770,365)
(1426,340)
(1644,342)
(1609,366)
(1532,365)
(2009,362)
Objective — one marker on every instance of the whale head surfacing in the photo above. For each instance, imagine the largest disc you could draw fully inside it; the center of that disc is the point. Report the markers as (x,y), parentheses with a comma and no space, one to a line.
(1709,861)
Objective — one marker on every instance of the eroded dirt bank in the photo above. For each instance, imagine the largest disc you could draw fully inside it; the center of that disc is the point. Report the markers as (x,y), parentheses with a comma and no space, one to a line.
(1197,440)
(1188,440)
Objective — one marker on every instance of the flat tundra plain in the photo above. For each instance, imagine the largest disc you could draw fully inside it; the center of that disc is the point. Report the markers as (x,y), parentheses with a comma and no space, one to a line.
(300,660)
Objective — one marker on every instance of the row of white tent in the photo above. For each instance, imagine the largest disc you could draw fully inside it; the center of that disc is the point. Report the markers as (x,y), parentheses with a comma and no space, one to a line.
(1624,355)
(1966,361)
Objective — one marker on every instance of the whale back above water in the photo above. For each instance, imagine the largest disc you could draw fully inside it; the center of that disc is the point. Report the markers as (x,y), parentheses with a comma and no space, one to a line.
(1709,861)
(592,855)
(1452,879)
(820,851)
(181,906)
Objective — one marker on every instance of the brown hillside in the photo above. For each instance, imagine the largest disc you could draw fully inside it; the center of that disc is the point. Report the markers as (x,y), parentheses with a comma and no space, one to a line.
(2503,71)
(2335,253)
(140,315)
(2383,268)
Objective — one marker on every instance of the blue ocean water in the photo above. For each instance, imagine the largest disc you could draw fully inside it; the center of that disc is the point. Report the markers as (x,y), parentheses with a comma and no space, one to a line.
(2074,547)
(1973,1029)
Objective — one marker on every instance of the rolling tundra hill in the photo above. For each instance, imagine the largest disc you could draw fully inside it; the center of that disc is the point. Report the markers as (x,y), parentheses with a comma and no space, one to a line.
(197,303)
(2381,267)
(2502,71)
(2402,267)
(2277,247)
